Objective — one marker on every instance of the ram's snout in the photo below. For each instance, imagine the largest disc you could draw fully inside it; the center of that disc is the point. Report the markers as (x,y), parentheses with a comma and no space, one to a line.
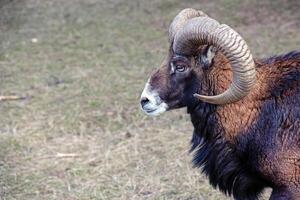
(151,103)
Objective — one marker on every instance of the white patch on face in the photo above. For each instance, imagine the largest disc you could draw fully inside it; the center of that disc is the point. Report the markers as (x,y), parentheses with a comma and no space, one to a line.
(155,106)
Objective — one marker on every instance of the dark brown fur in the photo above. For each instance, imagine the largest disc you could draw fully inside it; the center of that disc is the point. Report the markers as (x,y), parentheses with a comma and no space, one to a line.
(245,146)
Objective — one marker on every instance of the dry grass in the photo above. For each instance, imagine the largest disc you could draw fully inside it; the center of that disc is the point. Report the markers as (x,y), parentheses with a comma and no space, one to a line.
(81,65)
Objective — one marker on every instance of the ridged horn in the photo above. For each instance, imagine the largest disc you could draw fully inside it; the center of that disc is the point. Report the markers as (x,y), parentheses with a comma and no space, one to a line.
(181,18)
(207,31)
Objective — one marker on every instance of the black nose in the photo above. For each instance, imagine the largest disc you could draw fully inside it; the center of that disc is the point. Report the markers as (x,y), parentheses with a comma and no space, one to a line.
(144,101)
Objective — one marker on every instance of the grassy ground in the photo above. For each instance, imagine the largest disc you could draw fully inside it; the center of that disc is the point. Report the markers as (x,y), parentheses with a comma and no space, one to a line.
(82,65)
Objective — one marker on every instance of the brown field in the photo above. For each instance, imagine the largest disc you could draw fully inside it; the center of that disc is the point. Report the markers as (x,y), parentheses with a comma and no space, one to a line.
(81,66)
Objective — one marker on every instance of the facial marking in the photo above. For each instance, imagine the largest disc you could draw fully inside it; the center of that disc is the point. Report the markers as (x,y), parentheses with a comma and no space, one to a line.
(151,103)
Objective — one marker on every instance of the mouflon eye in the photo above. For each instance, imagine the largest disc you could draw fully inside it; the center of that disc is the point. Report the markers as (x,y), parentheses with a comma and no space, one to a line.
(179,63)
(180,68)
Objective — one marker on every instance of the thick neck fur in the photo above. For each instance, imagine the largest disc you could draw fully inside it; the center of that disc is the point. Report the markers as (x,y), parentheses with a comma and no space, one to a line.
(213,141)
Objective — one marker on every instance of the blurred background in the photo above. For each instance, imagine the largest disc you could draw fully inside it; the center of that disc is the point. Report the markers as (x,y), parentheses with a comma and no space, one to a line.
(79,67)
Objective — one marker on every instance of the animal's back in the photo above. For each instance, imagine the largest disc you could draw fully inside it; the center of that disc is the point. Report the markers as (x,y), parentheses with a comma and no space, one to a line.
(276,149)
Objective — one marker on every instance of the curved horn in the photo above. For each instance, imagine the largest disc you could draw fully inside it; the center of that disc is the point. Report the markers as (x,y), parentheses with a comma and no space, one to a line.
(206,31)
(181,18)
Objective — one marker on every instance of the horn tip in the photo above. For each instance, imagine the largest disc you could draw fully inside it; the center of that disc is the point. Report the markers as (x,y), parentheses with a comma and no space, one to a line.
(208,99)
(201,97)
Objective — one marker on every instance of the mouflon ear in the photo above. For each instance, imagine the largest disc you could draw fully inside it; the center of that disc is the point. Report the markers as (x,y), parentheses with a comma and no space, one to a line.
(206,56)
